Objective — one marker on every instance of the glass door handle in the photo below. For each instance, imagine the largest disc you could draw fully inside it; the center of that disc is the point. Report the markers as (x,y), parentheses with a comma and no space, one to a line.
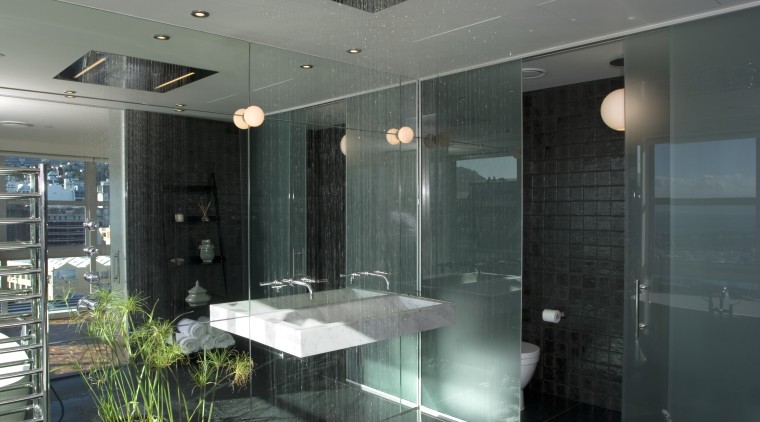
(639,289)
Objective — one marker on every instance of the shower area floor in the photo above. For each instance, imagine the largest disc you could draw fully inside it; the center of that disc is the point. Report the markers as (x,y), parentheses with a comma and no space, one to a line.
(336,403)
(545,408)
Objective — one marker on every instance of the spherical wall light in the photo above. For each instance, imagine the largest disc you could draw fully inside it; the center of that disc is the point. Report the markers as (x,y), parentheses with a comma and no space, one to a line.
(254,116)
(238,119)
(406,134)
(613,109)
(344,144)
(392,136)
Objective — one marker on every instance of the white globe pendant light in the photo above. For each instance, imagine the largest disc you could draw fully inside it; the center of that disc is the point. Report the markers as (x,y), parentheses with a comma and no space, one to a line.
(238,119)
(254,116)
(344,144)
(392,136)
(613,110)
(406,134)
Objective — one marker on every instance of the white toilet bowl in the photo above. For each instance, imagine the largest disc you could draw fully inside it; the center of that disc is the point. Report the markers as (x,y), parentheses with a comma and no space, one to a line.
(529,354)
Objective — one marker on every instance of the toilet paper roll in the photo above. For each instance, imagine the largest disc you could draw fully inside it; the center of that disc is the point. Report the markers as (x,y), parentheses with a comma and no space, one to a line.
(551,315)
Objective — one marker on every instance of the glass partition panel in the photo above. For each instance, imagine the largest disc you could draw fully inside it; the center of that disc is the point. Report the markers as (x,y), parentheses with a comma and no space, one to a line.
(381,227)
(693,196)
(306,226)
(472,241)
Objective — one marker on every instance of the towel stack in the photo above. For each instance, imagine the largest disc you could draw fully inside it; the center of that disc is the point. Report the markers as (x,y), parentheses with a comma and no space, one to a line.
(196,335)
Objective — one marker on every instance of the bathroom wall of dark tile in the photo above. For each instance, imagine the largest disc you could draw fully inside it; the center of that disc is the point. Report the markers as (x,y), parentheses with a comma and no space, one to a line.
(166,157)
(573,242)
(325,206)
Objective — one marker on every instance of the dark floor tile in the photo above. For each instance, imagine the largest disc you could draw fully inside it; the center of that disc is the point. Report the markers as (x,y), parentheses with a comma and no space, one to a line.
(74,397)
(587,413)
(541,407)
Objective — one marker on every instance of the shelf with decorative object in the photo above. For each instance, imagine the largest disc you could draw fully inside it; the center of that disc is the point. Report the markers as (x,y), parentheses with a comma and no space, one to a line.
(196,219)
(192,205)
(196,260)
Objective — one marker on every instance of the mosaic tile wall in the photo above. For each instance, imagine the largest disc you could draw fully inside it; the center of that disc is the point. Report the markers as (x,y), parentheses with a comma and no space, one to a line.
(573,242)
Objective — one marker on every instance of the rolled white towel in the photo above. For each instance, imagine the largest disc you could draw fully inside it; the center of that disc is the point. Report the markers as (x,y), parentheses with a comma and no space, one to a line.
(203,320)
(225,340)
(191,327)
(215,332)
(207,342)
(187,343)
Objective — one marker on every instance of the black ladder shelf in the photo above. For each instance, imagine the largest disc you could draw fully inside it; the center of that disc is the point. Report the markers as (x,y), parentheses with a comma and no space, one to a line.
(209,188)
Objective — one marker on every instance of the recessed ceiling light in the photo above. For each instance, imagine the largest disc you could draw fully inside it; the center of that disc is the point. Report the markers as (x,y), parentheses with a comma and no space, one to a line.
(179,110)
(69,96)
(354,50)
(162,37)
(307,66)
(14,123)
(200,14)
(179,105)
(533,73)
(69,92)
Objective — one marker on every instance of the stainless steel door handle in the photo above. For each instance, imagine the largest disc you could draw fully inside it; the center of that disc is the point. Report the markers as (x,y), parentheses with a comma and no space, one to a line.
(639,289)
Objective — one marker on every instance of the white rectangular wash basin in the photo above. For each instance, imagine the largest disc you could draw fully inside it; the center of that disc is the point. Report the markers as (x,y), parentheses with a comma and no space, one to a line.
(332,320)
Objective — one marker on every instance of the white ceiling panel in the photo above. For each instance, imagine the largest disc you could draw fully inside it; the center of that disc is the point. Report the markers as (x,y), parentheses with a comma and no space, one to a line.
(417,38)
(659,10)
(585,64)
(326,29)
(600,16)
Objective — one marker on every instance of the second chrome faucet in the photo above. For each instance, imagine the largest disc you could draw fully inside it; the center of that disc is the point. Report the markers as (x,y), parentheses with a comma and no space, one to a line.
(380,274)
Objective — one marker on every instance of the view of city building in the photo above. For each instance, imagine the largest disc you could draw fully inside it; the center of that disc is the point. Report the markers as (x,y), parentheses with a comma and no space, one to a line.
(76,191)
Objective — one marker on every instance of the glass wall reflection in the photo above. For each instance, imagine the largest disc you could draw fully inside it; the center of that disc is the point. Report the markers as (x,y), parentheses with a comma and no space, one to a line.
(472,241)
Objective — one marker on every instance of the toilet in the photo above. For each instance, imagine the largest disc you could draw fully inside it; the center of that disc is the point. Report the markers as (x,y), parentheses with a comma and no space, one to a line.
(528,360)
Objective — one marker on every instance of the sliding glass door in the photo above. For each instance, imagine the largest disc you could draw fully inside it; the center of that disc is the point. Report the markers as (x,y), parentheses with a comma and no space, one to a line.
(693,308)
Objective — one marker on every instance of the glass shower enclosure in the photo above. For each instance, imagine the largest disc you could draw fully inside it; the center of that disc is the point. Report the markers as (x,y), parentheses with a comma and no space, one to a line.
(693,298)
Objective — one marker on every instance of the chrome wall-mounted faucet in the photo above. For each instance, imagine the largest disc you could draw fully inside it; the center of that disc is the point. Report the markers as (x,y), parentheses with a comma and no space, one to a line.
(382,274)
(723,306)
(305,282)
